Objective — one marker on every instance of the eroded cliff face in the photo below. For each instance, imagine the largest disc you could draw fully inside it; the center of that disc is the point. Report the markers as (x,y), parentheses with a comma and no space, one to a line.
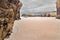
(58,8)
(9,12)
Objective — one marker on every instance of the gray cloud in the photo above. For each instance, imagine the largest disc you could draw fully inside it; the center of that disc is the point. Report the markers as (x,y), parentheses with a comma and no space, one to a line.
(38,5)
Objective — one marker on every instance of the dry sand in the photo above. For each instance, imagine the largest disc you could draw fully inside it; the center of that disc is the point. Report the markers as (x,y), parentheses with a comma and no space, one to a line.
(36,28)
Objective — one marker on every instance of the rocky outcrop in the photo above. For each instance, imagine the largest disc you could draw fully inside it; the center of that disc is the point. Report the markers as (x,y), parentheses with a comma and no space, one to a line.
(58,9)
(9,12)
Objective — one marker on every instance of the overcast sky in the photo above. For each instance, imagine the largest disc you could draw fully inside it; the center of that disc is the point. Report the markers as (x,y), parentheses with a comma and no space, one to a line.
(38,5)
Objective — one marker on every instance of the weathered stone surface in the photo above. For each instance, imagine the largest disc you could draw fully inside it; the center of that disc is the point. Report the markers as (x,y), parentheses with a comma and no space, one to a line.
(9,12)
(58,9)
(16,5)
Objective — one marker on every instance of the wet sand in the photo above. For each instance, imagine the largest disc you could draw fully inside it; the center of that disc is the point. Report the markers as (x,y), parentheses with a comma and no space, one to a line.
(36,28)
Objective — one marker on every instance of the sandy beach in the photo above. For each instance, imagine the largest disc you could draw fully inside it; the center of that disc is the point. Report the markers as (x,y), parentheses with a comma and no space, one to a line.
(36,28)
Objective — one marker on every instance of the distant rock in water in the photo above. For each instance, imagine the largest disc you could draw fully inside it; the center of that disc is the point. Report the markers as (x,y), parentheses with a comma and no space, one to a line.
(9,12)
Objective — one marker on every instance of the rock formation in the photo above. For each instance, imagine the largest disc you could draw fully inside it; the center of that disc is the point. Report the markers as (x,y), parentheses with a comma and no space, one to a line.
(9,12)
(58,9)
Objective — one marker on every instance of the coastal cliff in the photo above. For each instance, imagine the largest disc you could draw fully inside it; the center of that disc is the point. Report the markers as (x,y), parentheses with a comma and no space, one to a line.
(58,9)
(9,12)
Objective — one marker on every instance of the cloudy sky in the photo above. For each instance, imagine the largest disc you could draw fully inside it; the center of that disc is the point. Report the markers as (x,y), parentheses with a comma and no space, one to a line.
(38,5)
